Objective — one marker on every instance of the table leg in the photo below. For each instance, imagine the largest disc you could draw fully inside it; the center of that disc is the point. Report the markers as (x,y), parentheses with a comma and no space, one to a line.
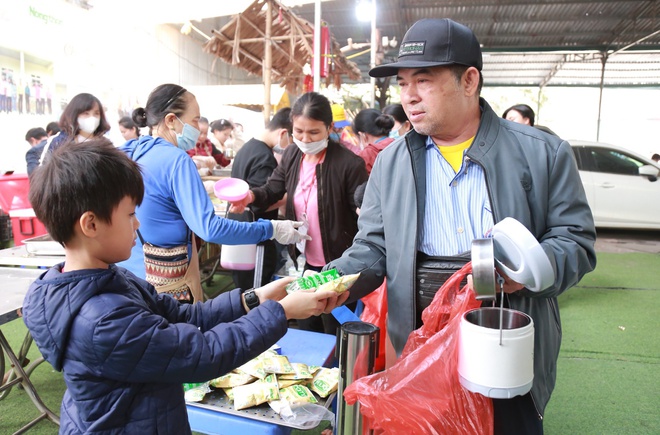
(24,380)
(11,375)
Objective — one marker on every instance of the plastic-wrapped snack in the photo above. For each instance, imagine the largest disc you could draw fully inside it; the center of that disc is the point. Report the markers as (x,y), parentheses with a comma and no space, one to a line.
(195,392)
(230,393)
(256,393)
(254,367)
(301,372)
(232,379)
(288,382)
(341,284)
(278,364)
(325,381)
(296,394)
(314,369)
(292,396)
(312,282)
(326,280)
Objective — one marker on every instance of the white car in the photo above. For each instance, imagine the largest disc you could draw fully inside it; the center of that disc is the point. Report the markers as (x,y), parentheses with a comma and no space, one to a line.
(622,186)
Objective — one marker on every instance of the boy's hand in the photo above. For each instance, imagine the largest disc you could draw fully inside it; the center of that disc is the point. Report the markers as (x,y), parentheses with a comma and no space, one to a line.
(302,304)
(275,290)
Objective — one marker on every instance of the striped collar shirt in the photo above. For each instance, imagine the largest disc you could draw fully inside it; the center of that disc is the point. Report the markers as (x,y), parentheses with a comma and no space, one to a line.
(457,205)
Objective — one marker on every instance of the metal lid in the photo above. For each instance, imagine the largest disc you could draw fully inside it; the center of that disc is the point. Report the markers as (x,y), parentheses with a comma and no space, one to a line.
(483,269)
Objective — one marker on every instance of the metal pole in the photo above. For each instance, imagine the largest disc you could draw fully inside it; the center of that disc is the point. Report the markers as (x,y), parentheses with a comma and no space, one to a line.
(374,48)
(317,46)
(603,60)
(268,61)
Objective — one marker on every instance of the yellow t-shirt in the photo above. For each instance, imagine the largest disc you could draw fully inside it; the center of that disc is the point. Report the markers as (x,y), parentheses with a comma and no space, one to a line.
(454,153)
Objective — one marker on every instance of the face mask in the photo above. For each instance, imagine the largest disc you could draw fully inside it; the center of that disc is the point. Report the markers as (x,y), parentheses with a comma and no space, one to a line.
(394,134)
(187,139)
(335,136)
(311,148)
(279,149)
(89,125)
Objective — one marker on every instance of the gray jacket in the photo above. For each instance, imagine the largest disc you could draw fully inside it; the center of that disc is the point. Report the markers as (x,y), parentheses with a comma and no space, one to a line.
(531,176)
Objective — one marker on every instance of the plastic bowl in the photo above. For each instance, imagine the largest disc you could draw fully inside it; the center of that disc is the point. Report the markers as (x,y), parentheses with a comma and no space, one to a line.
(231,189)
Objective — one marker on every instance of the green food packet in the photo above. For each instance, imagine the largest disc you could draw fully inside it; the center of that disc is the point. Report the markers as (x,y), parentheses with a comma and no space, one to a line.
(283,383)
(195,392)
(296,394)
(256,393)
(312,282)
(325,382)
(301,372)
(278,364)
(232,379)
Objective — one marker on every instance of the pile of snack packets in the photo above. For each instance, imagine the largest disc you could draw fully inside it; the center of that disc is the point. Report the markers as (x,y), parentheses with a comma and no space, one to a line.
(271,378)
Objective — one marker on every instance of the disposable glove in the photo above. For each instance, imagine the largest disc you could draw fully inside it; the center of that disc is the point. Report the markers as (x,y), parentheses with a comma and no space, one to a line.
(285,232)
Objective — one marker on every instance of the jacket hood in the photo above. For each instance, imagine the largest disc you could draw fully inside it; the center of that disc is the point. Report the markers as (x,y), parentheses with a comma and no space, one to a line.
(136,148)
(55,299)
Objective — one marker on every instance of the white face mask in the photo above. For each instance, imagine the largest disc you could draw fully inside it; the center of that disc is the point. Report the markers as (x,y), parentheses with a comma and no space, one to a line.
(311,148)
(89,125)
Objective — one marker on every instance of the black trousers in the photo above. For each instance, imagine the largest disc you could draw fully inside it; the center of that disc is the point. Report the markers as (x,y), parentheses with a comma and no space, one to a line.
(517,416)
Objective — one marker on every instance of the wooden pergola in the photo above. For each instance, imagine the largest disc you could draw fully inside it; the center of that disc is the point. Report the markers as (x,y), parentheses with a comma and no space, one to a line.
(269,40)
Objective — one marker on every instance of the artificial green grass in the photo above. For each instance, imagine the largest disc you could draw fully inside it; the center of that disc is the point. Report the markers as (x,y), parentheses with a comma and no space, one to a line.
(607,375)
(607,380)
(16,409)
(625,271)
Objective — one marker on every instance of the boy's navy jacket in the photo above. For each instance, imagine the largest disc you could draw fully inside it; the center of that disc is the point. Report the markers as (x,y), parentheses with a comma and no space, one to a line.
(126,350)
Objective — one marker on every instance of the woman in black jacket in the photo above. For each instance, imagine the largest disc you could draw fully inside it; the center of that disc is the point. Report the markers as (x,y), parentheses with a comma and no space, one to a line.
(319,177)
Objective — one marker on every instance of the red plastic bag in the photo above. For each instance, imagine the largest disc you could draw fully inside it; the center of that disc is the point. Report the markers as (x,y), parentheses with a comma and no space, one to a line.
(421,393)
(375,312)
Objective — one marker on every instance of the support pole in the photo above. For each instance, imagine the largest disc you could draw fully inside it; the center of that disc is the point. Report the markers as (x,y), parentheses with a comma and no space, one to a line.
(374,50)
(268,61)
(317,46)
(603,61)
(538,104)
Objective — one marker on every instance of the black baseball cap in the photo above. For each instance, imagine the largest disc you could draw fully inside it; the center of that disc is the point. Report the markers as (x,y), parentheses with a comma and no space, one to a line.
(434,42)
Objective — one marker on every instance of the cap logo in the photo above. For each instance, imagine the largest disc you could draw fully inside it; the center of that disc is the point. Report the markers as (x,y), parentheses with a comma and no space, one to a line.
(412,48)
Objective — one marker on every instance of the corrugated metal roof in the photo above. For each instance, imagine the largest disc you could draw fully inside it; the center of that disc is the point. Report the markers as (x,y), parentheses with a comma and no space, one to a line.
(527,42)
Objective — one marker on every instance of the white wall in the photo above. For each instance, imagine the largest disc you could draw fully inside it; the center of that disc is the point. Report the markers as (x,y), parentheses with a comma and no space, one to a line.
(630,117)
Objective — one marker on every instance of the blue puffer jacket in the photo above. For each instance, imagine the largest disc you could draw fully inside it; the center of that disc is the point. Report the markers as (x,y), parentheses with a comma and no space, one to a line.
(125,350)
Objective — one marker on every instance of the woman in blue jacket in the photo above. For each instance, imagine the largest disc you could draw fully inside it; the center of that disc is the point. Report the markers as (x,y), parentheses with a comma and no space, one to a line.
(175,200)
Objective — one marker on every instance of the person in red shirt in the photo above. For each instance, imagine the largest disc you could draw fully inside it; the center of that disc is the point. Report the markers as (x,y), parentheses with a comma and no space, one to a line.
(204,147)
(373,129)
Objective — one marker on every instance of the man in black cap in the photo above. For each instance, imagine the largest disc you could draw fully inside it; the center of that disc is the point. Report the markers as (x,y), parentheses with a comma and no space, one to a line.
(447,182)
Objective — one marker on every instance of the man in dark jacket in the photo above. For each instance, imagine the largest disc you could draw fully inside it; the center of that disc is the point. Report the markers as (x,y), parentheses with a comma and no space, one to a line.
(36,137)
(254,163)
(446,183)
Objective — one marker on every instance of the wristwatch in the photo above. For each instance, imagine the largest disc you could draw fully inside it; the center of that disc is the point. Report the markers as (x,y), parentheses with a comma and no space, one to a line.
(251,299)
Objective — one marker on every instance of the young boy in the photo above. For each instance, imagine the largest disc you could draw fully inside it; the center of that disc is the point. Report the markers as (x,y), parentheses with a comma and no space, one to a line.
(124,349)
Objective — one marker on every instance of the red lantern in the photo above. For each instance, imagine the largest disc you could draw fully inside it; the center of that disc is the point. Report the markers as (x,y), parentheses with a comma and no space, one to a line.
(326,52)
